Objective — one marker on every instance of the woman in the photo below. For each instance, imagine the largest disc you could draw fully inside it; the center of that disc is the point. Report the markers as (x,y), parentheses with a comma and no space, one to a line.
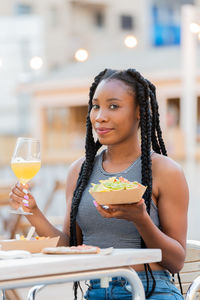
(122,104)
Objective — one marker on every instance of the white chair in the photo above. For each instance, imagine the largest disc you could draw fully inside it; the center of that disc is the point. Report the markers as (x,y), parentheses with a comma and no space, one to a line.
(190,274)
(32,292)
(193,291)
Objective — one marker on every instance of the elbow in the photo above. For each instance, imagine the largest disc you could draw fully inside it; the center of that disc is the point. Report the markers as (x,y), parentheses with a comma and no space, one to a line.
(176,265)
(176,268)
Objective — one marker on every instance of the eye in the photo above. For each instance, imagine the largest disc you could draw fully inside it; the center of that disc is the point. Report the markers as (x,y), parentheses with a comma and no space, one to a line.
(95,106)
(114,106)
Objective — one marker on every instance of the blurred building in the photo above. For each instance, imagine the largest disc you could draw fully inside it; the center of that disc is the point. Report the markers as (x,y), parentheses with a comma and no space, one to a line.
(99,26)
(52,98)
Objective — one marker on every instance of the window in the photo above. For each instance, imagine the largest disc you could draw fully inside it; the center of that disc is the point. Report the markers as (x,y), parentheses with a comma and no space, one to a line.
(99,19)
(166,20)
(173,112)
(127,22)
(166,25)
(23,9)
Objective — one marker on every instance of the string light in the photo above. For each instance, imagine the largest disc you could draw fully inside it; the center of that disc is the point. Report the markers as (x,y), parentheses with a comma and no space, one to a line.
(36,63)
(130,41)
(195,28)
(81,55)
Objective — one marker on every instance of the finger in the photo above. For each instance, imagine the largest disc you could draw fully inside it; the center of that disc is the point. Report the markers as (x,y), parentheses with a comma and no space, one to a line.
(106,213)
(23,193)
(120,207)
(16,201)
(26,206)
(16,198)
(22,187)
(29,201)
(126,206)
(140,202)
(17,192)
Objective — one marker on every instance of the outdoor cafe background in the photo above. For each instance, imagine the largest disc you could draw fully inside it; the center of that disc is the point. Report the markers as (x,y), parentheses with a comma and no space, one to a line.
(49,53)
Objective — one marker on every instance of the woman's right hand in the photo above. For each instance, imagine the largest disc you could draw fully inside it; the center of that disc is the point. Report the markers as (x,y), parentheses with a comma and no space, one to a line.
(20,196)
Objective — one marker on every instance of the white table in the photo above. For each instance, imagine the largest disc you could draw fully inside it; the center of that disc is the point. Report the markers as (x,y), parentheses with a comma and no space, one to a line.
(52,269)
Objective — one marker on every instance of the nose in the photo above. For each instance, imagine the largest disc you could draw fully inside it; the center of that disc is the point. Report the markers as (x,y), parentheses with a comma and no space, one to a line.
(101,116)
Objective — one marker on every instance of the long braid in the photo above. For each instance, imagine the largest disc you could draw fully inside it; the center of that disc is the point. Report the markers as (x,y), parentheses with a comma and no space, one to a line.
(155,113)
(142,95)
(154,139)
(91,148)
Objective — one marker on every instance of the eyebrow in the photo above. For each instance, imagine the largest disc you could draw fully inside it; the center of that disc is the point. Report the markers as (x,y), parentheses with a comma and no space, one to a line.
(108,100)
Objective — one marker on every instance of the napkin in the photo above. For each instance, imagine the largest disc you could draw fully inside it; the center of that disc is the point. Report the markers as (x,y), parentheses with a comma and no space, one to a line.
(11,254)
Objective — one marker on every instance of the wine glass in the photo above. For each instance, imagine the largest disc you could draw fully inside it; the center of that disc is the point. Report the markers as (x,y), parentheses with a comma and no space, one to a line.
(25,163)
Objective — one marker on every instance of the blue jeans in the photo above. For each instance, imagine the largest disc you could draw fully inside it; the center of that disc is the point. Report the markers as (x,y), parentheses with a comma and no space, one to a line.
(119,288)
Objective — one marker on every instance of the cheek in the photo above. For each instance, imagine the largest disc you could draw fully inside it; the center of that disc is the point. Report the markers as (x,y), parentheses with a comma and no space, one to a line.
(127,118)
(128,125)
(92,117)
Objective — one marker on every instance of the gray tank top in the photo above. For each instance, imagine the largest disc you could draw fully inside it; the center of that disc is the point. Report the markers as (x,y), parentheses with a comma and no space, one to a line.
(102,232)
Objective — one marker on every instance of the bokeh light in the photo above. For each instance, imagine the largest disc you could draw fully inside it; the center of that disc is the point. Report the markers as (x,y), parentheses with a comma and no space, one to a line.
(130,41)
(36,63)
(81,55)
(195,28)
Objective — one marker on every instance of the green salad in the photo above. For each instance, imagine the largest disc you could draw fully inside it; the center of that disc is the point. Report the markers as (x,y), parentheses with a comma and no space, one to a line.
(114,184)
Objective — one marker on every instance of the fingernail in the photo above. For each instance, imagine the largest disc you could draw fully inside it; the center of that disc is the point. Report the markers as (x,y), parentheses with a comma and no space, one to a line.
(18,184)
(25,202)
(25,191)
(105,206)
(95,204)
(26,197)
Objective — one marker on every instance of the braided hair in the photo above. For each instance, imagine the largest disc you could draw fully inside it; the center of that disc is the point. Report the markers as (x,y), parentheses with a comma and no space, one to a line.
(151,138)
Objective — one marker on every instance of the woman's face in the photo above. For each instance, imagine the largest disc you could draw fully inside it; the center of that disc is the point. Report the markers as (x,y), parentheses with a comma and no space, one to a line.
(114,115)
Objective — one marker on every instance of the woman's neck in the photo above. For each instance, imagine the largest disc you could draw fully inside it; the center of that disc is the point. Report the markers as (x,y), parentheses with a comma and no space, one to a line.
(123,153)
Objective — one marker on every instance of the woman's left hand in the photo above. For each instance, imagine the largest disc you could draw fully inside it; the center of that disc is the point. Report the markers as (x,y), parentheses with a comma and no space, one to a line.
(133,212)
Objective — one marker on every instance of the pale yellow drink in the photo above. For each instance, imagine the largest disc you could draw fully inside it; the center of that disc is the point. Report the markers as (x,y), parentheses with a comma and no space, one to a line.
(25,171)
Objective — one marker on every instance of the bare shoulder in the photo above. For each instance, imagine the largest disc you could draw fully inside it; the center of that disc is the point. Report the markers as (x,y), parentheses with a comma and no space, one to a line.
(72,175)
(76,166)
(167,173)
(164,165)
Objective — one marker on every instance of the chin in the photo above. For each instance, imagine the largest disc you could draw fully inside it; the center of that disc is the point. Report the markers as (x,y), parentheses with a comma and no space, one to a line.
(108,142)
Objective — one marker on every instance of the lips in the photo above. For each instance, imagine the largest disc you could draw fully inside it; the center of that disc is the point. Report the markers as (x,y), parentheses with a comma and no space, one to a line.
(103,130)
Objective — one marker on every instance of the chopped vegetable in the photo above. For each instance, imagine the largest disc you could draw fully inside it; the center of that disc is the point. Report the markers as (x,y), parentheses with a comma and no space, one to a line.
(114,184)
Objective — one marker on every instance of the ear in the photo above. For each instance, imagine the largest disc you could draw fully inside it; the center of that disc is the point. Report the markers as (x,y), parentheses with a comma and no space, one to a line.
(138,113)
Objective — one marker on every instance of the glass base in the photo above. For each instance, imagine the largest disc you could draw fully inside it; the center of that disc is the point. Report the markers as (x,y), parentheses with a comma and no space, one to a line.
(20,211)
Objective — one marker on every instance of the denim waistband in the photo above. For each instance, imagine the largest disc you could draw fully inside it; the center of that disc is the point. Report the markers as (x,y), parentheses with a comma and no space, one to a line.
(161,274)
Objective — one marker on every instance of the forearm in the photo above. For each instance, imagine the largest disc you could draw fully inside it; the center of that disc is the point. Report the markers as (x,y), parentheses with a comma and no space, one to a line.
(45,228)
(173,253)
